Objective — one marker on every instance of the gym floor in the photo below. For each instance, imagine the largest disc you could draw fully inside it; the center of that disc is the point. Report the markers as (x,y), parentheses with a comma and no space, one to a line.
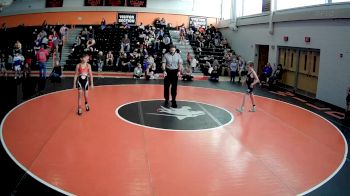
(128,144)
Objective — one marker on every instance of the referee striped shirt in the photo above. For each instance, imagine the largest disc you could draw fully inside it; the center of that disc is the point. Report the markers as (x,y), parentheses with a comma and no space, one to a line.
(172,61)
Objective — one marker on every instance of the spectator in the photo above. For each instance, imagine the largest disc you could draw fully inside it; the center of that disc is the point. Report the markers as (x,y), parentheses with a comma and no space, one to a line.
(56,73)
(9,63)
(276,76)
(63,32)
(126,25)
(224,43)
(214,75)
(266,73)
(89,45)
(91,33)
(17,63)
(26,70)
(41,57)
(187,72)
(233,70)
(182,33)
(3,65)
(125,62)
(100,61)
(60,48)
(125,43)
(103,24)
(150,71)
(163,23)
(110,58)
(138,71)
(166,42)
(189,58)
(17,47)
(194,63)
(141,27)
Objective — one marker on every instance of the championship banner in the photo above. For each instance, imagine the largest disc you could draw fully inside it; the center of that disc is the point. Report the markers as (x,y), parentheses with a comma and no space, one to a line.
(115,3)
(127,17)
(93,2)
(198,21)
(54,3)
(136,3)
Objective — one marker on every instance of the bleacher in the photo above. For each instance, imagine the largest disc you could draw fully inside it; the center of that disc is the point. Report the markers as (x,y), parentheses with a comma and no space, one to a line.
(109,39)
(208,54)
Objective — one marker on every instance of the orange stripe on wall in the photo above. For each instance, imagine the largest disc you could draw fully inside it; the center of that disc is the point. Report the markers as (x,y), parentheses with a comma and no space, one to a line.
(90,17)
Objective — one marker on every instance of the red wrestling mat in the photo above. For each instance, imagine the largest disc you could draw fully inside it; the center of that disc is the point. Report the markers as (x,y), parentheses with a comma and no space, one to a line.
(279,150)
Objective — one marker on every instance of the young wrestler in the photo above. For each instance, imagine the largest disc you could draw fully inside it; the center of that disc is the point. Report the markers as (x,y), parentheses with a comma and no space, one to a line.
(251,80)
(83,73)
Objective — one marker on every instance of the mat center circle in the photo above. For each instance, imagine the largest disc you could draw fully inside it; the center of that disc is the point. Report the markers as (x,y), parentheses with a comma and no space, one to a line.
(188,116)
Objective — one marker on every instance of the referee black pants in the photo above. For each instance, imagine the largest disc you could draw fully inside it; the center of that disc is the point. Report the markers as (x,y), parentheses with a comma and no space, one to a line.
(170,79)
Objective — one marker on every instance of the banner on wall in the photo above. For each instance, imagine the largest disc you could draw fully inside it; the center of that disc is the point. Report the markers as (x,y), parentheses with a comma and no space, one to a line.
(136,3)
(198,21)
(93,2)
(127,17)
(115,3)
(128,3)
(54,3)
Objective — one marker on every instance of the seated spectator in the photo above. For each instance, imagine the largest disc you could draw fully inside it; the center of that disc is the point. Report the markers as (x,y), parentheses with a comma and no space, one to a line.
(276,76)
(17,48)
(166,42)
(126,25)
(26,70)
(125,62)
(150,71)
(89,45)
(163,23)
(214,75)
(157,23)
(100,61)
(187,72)
(125,43)
(56,73)
(224,43)
(91,33)
(194,63)
(110,58)
(138,71)
(266,73)
(135,58)
(141,27)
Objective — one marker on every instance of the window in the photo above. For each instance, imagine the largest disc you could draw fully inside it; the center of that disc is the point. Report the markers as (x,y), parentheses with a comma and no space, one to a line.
(252,7)
(226,9)
(286,4)
(337,1)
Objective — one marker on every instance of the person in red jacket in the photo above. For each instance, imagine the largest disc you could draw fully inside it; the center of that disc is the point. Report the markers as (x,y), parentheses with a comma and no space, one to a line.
(41,57)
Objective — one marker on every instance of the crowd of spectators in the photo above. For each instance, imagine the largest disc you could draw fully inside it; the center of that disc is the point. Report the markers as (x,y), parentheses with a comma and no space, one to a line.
(31,48)
(137,47)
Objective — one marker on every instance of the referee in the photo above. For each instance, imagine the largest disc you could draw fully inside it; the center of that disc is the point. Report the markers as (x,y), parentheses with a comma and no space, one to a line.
(172,65)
